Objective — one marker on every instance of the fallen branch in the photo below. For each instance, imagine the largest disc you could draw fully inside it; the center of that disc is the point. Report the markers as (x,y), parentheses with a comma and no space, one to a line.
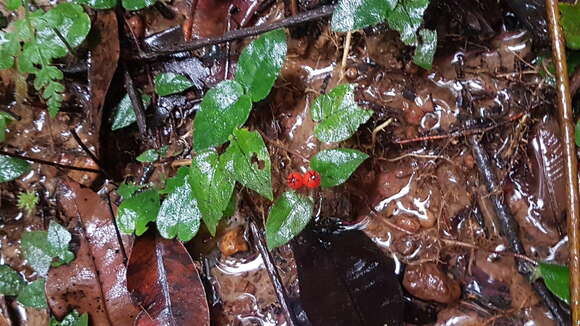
(567,128)
(510,229)
(301,18)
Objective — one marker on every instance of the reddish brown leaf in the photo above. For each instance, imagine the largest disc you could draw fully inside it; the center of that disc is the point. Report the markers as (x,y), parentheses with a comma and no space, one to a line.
(102,61)
(163,279)
(95,282)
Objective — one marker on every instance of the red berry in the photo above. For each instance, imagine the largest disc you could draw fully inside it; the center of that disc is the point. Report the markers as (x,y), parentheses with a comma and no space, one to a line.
(295,180)
(312,179)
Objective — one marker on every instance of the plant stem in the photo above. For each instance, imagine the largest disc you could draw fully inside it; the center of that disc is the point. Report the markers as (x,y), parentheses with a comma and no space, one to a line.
(567,128)
(301,18)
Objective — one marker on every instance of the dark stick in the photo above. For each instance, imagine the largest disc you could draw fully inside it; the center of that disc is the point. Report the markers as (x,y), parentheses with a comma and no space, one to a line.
(58,165)
(510,229)
(272,272)
(301,18)
(269,264)
(119,237)
(136,103)
(84,147)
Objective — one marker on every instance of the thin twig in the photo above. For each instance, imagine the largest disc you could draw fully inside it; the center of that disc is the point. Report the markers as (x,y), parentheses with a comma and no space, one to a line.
(58,165)
(345,51)
(84,147)
(567,126)
(136,103)
(301,18)
(288,150)
(260,242)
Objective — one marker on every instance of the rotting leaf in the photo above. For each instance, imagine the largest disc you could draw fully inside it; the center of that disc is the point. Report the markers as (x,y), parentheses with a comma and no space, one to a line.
(11,168)
(95,281)
(346,280)
(171,83)
(32,295)
(406,19)
(125,114)
(337,114)
(179,214)
(137,4)
(10,281)
(212,186)
(103,58)
(425,51)
(288,216)
(163,279)
(137,211)
(352,15)
(570,21)
(244,144)
(72,319)
(223,109)
(556,278)
(336,165)
(260,63)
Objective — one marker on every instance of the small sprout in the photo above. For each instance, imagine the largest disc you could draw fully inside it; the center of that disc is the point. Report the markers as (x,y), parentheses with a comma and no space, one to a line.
(27,201)
(312,179)
(295,180)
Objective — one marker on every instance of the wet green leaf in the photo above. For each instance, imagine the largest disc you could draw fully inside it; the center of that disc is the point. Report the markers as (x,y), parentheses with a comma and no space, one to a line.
(10,281)
(248,161)
(11,168)
(351,15)
(99,4)
(556,278)
(13,4)
(36,251)
(570,21)
(72,23)
(41,247)
(127,190)
(172,183)
(137,4)
(337,114)
(179,214)
(72,319)
(148,156)
(32,295)
(425,51)
(137,211)
(406,19)
(288,216)
(232,205)
(336,165)
(223,109)
(4,119)
(171,83)
(212,186)
(125,114)
(58,239)
(260,63)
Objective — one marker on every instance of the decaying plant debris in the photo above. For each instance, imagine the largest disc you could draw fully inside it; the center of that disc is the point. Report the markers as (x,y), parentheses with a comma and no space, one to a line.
(460,187)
